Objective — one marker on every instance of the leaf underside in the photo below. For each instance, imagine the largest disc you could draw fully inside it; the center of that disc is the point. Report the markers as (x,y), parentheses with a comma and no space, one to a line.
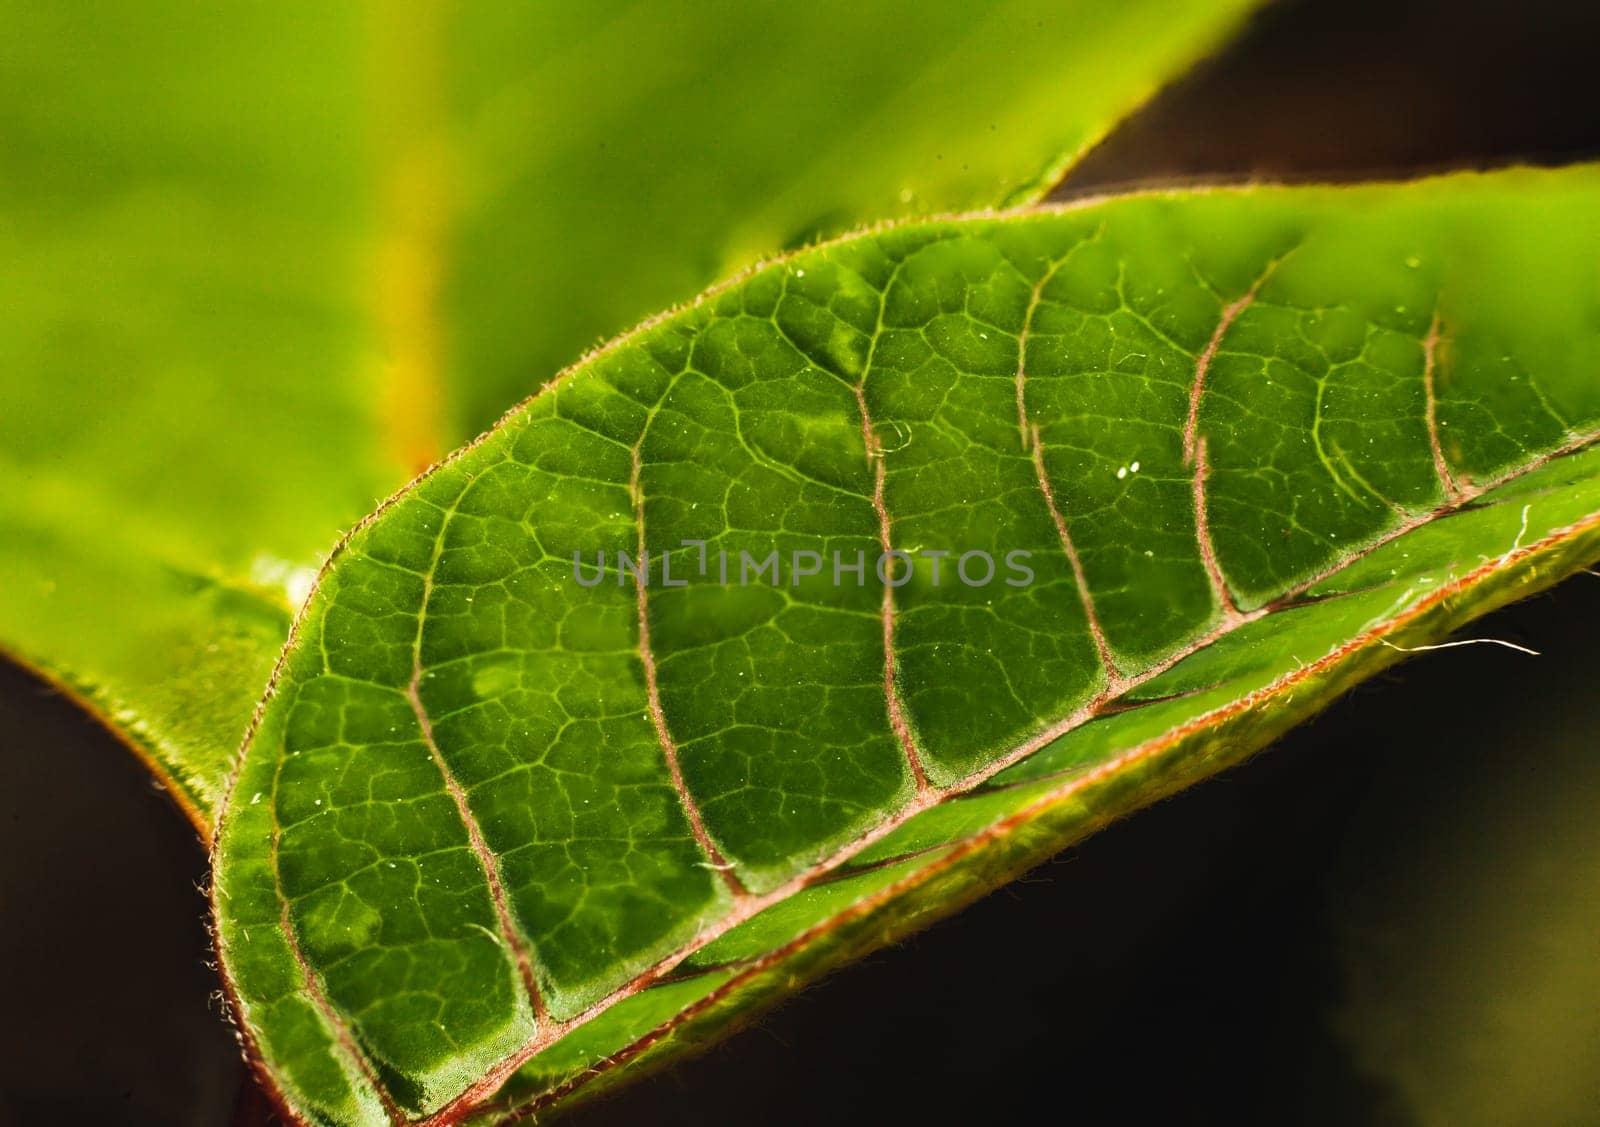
(265,262)
(498,834)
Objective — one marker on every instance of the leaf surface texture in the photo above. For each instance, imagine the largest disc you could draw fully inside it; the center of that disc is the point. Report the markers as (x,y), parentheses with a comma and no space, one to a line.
(500,836)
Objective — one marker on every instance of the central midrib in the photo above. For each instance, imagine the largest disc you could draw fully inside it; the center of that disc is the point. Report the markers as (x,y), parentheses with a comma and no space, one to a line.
(415,207)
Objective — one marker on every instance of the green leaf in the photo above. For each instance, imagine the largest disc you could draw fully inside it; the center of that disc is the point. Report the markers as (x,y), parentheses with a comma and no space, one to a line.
(501,835)
(266,262)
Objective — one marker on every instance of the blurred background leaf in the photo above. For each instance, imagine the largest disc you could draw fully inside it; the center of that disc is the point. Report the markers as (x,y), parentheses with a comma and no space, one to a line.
(266,261)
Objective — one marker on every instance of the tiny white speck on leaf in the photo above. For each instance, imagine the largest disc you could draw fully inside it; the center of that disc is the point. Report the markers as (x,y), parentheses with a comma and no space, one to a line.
(255,798)
(1122,473)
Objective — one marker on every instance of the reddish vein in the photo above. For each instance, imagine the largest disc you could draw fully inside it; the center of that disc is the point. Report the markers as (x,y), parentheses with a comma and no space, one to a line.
(891,688)
(669,747)
(1202,535)
(347,1041)
(313,986)
(487,858)
(1114,682)
(1022,354)
(1430,355)
(1029,432)
(1194,443)
(1202,364)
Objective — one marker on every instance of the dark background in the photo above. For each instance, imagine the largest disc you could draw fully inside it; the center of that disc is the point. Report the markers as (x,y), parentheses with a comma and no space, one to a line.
(1230,955)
